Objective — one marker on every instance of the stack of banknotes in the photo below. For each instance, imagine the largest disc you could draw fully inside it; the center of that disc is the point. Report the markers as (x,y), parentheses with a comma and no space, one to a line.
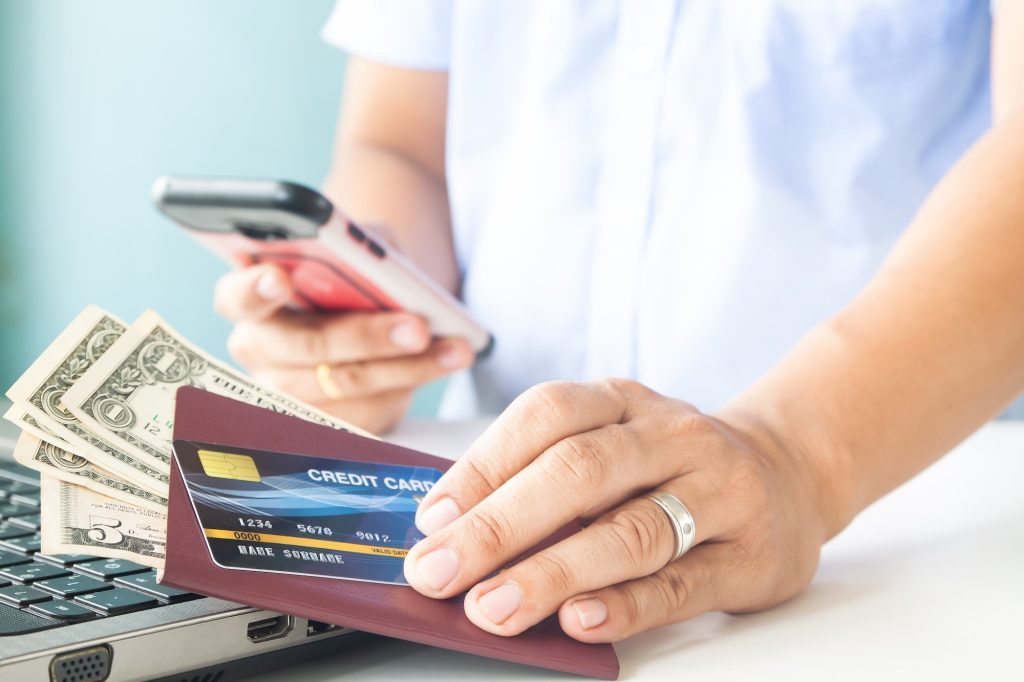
(96,412)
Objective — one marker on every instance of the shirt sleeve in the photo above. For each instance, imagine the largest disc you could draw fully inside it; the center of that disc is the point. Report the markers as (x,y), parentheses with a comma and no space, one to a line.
(412,34)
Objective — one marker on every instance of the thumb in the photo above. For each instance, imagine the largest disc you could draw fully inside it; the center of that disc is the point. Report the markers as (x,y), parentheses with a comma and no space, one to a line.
(254,292)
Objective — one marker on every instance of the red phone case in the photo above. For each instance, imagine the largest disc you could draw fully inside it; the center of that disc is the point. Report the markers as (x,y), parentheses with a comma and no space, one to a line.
(322,280)
(334,264)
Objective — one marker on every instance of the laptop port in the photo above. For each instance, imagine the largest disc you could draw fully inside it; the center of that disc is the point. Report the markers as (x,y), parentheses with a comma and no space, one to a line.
(316,627)
(84,665)
(266,629)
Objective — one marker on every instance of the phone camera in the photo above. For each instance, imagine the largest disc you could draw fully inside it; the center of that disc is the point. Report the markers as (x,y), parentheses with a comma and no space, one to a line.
(265,233)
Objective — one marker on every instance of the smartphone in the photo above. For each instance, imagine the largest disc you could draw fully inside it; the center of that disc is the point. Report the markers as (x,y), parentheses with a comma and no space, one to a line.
(335,265)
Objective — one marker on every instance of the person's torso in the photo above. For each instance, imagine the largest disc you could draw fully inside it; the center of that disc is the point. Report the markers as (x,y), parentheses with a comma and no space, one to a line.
(678,190)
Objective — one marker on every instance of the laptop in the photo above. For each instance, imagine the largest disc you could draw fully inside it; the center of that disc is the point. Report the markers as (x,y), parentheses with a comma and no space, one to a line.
(83,618)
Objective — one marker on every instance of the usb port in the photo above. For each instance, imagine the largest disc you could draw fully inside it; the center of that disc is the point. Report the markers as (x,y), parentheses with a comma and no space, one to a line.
(316,627)
(266,629)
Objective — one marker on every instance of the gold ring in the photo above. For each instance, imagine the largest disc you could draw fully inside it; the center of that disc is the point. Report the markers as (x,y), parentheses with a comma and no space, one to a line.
(327,385)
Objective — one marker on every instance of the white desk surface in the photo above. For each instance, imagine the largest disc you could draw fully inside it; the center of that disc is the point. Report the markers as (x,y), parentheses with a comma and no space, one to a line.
(926,584)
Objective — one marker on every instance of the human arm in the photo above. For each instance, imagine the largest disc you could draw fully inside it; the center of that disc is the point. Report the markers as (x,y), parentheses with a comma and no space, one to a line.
(929,351)
(932,348)
(387,172)
(388,167)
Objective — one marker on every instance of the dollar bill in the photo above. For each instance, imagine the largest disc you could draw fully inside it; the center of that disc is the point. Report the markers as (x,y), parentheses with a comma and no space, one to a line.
(55,456)
(76,520)
(53,461)
(40,391)
(127,396)
(26,422)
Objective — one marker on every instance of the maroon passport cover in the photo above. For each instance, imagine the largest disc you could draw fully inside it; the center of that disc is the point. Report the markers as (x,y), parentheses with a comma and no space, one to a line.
(390,610)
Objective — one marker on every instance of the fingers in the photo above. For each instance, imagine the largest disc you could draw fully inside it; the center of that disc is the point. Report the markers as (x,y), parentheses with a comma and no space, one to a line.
(635,540)
(578,476)
(535,421)
(252,293)
(682,590)
(372,360)
(564,483)
(362,379)
(308,340)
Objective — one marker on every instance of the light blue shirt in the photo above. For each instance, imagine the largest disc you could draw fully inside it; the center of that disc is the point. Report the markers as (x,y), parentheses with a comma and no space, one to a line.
(678,190)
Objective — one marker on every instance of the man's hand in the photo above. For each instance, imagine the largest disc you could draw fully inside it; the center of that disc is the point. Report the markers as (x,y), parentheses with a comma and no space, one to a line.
(564,451)
(376,360)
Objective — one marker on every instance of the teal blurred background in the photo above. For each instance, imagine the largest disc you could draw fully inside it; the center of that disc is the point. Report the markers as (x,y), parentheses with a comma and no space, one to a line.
(100,98)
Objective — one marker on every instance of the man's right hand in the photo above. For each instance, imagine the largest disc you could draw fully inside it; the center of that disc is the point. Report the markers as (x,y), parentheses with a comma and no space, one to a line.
(373,361)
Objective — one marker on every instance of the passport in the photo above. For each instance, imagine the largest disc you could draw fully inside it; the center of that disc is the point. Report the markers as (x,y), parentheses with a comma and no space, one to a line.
(239,440)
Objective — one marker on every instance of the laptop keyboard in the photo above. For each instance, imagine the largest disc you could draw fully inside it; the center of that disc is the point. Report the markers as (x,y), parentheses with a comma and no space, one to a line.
(38,592)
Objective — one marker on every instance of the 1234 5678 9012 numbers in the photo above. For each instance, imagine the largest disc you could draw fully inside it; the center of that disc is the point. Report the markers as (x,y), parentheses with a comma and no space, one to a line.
(314,530)
(255,523)
(372,537)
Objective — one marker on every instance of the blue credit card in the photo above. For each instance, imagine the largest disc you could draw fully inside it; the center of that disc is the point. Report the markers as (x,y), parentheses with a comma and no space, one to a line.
(286,513)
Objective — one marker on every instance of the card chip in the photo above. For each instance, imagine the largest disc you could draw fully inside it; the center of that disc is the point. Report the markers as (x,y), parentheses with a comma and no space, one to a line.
(223,465)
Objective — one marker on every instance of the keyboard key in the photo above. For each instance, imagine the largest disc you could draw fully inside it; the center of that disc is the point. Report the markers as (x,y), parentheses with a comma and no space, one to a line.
(65,559)
(31,499)
(27,544)
(22,595)
(31,522)
(146,582)
(9,529)
(17,509)
(29,573)
(116,601)
(17,487)
(11,559)
(73,585)
(105,569)
(67,611)
(15,622)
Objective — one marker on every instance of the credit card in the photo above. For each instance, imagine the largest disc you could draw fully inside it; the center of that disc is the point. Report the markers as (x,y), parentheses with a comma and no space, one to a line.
(288,513)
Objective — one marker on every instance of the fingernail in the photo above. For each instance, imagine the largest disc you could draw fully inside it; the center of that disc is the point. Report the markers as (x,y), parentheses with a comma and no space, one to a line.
(438,515)
(407,335)
(453,358)
(437,568)
(499,604)
(591,612)
(269,286)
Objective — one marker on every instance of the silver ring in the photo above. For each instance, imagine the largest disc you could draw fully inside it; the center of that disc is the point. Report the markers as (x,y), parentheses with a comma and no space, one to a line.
(679,516)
